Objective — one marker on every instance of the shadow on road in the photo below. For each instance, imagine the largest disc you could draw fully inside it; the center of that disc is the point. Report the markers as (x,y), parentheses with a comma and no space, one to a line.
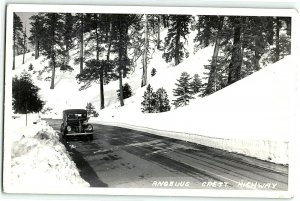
(85,170)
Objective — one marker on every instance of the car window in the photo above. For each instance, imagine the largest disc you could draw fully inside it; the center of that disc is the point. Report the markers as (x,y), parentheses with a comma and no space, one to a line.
(76,116)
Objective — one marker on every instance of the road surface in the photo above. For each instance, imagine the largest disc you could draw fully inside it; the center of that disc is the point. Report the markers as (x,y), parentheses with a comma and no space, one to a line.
(120,157)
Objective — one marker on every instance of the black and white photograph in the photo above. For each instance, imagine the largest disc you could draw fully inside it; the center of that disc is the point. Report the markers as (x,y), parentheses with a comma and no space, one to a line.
(171,101)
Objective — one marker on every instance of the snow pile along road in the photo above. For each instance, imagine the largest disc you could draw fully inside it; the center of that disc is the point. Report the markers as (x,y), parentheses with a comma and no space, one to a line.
(39,160)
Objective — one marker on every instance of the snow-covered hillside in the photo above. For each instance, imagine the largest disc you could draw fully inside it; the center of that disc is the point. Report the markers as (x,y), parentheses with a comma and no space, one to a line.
(254,116)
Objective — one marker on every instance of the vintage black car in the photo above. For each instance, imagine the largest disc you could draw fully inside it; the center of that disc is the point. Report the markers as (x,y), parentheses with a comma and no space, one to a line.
(75,123)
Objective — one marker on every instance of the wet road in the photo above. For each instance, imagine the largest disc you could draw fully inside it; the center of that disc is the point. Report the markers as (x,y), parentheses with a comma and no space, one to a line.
(120,157)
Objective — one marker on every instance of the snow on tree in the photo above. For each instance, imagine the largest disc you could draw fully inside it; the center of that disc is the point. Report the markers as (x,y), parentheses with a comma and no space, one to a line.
(196,84)
(17,37)
(162,101)
(178,31)
(183,92)
(149,100)
(25,95)
(127,91)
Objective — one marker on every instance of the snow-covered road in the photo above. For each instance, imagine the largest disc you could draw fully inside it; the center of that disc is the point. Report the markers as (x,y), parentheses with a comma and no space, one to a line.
(119,157)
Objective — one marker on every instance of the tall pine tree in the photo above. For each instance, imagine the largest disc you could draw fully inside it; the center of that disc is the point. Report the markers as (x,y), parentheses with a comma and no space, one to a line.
(162,101)
(196,84)
(17,36)
(176,38)
(183,92)
(120,43)
(149,100)
(52,43)
(36,30)
(94,73)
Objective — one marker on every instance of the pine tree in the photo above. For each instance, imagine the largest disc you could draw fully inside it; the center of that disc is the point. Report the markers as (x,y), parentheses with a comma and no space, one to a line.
(162,101)
(235,66)
(24,45)
(95,37)
(80,27)
(68,35)
(145,53)
(94,73)
(30,68)
(183,90)
(36,31)
(281,38)
(52,43)
(149,102)
(25,95)
(216,23)
(127,91)
(17,36)
(153,72)
(196,84)
(120,43)
(90,108)
(174,46)
(207,28)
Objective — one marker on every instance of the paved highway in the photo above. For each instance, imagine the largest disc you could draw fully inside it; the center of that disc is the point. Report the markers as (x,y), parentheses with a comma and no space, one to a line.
(120,157)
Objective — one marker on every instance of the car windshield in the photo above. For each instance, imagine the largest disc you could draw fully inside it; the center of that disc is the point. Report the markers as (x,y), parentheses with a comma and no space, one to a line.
(76,116)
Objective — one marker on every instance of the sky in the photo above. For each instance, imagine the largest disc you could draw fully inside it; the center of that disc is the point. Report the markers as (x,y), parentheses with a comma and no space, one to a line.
(26,21)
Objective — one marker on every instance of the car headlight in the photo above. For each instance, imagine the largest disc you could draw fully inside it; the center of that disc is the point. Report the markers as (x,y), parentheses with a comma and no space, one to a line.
(69,128)
(89,127)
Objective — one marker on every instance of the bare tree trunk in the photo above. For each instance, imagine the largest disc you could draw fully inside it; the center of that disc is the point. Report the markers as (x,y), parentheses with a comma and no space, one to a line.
(24,46)
(52,61)
(81,43)
(145,54)
(158,32)
(277,48)
(101,91)
(36,48)
(236,60)
(121,87)
(97,38)
(109,41)
(14,55)
(97,58)
(177,38)
(212,73)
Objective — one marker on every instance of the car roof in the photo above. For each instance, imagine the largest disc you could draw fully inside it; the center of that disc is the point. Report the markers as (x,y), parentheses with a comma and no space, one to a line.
(74,111)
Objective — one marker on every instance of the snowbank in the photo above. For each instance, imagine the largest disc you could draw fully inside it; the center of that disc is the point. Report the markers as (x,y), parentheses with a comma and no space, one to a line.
(38,159)
(254,116)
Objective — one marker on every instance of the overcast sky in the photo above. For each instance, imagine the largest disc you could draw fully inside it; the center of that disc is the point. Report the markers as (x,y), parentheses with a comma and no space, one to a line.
(26,21)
